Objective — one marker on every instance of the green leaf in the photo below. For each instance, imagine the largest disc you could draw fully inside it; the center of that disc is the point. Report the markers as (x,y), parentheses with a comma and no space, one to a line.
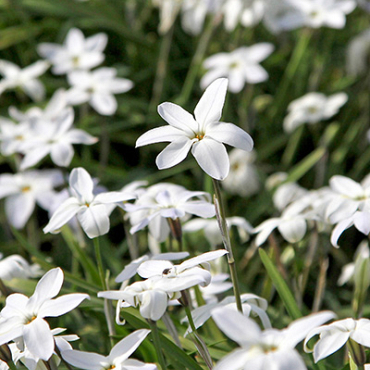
(281,286)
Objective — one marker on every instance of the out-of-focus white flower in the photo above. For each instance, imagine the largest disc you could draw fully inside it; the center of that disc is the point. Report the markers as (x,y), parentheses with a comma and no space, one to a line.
(90,209)
(358,53)
(268,349)
(98,88)
(252,305)
(312,108)
(77,52)
(25,79)
(168,10)
(335,335)
(359,270)
(172,205)
(287,193)
(246,12)
(53,137)
(205,135)
(23,190)
(292,14)
(212,230)
(16,267)
(164,281)
(24,317)
(243,179)
(117,358)
(240,66)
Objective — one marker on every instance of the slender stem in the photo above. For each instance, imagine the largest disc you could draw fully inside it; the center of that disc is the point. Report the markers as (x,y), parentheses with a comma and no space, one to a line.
(157,343)
(197,59)
(161,69)
(221,218)
(107,309)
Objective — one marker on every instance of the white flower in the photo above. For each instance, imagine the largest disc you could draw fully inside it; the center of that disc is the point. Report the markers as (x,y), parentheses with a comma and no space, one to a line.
(358,51)
(55,138)
(24,317)
(16,267)
(118,357)
(212,230)
(91,210)
(130,270)
(23,190)
(335,335)
(25,79)
(76,53)
(165,200)
(312,108)
(97,88)
(243,179)
(289,14)
(240,66)
(168,10)
(252,305)
(287,193)
(204,135)
(163,282)
(173,205)
(269,349)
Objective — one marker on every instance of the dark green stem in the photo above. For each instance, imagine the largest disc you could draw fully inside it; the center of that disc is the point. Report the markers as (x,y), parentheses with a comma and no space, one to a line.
(221,218)
(157,343)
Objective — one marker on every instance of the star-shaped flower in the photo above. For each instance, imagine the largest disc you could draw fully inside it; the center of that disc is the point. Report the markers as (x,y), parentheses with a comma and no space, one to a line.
(204,134)
(24,317)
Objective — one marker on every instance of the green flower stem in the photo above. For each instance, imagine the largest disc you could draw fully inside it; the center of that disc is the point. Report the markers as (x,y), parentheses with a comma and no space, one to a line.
(197,60)
(176,231)
(107,308)
(357,354)
(161,69)
(198,341)
(221,218)
(157,343)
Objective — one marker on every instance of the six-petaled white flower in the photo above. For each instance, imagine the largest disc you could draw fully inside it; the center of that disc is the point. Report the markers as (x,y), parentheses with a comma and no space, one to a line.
(204,134)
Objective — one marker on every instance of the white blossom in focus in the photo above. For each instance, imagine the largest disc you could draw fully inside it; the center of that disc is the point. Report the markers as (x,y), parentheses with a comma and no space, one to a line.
(205,135)
(118,357)
(240,66)
(24,317)
(268,349)
(25,79)
(77,53)
(91,210)
(312,108)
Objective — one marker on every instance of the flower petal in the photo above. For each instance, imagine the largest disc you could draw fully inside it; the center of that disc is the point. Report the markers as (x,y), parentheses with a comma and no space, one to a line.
(84,360)
(94,220)
(174,153)
(209,108)
(212,157)
(61,305)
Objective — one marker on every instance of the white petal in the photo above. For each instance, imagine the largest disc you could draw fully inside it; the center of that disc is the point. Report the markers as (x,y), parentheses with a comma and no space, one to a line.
(62,154)
(179,118)
(18,209)
(159,135)
(76,136)
(329,343)
(94,220)
(61,305)
(62,215)
(113,197)
(75,41)
(34,89)
(174,153)
(34,156)
(105,104)
(153,304)
(82,184)
(153,267)
(236,326)
(96,42)
(338,230)
(205,257)
(84,360)
(362,222)
(38,339)
(128,345)
(209,108)
(293,230)
(212,158)
(230,134)
(346,186)
(235,360)
(265,229)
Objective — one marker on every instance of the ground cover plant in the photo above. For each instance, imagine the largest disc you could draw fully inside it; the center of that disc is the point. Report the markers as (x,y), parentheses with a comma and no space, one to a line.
(184,184)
